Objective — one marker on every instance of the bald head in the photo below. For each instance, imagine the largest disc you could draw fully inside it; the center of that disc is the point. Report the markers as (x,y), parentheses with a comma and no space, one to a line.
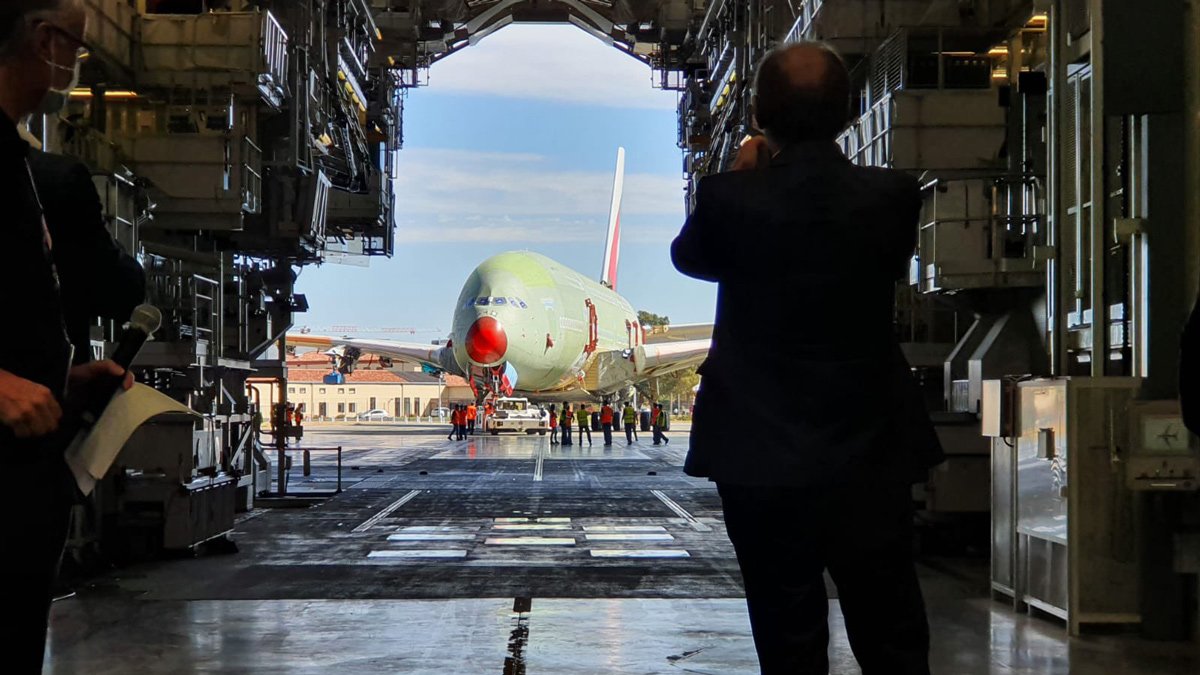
(802,93)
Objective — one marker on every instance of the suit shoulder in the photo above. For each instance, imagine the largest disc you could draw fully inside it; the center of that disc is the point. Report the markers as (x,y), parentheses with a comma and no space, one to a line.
(718,182)
(893,181)
(49,166)
(890,176)
(730,184)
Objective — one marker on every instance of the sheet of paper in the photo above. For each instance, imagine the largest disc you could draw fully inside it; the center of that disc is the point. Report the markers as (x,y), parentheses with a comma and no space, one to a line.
(91,456)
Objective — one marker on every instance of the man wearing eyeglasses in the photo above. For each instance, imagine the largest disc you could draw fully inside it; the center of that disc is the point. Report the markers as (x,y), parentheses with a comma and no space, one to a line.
(40,46)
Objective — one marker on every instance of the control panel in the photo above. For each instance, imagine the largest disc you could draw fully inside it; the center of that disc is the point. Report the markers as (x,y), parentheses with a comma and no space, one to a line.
(1163,454)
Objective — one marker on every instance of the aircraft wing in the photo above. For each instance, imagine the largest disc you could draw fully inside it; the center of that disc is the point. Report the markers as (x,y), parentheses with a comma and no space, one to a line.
(684,332)
(667,357)
(433,357)
(613,371)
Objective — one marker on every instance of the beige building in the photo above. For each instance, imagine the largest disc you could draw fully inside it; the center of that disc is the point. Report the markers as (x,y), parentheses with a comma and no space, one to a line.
(401,393)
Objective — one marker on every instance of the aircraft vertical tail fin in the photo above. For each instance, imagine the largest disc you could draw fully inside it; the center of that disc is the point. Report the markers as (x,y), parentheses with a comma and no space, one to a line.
(612,245)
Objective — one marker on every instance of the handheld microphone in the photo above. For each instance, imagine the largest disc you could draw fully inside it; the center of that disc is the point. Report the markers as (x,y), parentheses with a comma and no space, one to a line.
(142,323)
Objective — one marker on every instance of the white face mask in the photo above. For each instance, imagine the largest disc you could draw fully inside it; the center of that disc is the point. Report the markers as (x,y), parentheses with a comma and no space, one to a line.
(57,70)
(56,97)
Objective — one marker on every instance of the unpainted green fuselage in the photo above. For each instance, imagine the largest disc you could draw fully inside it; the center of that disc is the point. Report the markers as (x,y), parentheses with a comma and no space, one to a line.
(543,308)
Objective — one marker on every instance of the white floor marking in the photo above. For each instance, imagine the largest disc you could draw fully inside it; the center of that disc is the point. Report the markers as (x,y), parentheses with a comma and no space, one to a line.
(630,537)
(431,537)
(374,520)
(530,541)
(413,553)
(640,553)
(681,512)
(624,528)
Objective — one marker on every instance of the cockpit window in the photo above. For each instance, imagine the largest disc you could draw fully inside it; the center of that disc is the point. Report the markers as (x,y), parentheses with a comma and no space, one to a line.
(484,301)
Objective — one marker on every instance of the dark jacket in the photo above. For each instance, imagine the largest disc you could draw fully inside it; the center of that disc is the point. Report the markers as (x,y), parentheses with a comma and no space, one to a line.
(99,279)
(805,381)
(33,344)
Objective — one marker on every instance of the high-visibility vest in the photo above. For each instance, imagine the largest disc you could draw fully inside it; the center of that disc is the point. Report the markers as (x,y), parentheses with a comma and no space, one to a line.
(566,418)
(630,415)
(606,415)
(472,412)
(456,418)
(553,421)
(583,417)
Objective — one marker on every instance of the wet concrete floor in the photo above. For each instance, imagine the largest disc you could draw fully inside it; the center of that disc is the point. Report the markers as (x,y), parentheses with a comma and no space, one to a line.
(508,556)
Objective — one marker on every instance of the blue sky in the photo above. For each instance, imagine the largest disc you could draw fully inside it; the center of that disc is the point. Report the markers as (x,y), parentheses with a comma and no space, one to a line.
(512,146)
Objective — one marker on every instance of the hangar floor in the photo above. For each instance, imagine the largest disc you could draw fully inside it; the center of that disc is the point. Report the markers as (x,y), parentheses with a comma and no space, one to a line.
(509,556)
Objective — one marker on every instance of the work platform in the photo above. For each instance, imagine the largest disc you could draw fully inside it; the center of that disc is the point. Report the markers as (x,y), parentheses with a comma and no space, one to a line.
(507,555)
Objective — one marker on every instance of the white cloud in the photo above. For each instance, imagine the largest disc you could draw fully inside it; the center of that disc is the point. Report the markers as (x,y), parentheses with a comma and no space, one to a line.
(530,231)
(460,185)
(557,63)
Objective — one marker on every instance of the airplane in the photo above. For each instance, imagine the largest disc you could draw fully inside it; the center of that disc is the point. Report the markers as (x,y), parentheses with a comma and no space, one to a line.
(528,325)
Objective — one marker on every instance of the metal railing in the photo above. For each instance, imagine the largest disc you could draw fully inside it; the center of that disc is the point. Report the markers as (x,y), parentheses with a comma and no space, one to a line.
(191,303)
(806,13)
(275,56)
(252,181)
(205,309)
(867,142)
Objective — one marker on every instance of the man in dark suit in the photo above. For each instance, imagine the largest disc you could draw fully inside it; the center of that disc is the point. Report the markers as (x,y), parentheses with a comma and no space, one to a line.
(797,231)
(99,279)
(40,46)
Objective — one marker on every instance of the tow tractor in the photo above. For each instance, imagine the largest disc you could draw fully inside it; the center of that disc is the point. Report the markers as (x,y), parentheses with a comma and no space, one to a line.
(517,415)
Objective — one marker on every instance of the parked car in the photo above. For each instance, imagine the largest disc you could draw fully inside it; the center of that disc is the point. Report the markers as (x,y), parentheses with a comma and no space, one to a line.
(440,413)
(375,415)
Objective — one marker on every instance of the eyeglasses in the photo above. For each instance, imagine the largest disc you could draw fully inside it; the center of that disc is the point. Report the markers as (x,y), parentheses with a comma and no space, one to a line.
(82,49)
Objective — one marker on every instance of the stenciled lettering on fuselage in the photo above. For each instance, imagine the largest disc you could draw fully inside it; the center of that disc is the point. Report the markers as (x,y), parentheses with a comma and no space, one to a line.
(495,301)
(572,324)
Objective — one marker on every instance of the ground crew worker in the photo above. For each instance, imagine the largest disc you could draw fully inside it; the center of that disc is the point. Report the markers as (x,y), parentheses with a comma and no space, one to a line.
(606,422)
(453,424)
(299,416)
(629,418)
(585,423)
(472,413)
(662,422)
(565,422)
(553,426)
(462,422)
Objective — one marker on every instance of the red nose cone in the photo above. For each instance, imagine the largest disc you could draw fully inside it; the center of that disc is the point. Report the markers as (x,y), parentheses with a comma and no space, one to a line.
(486,341)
